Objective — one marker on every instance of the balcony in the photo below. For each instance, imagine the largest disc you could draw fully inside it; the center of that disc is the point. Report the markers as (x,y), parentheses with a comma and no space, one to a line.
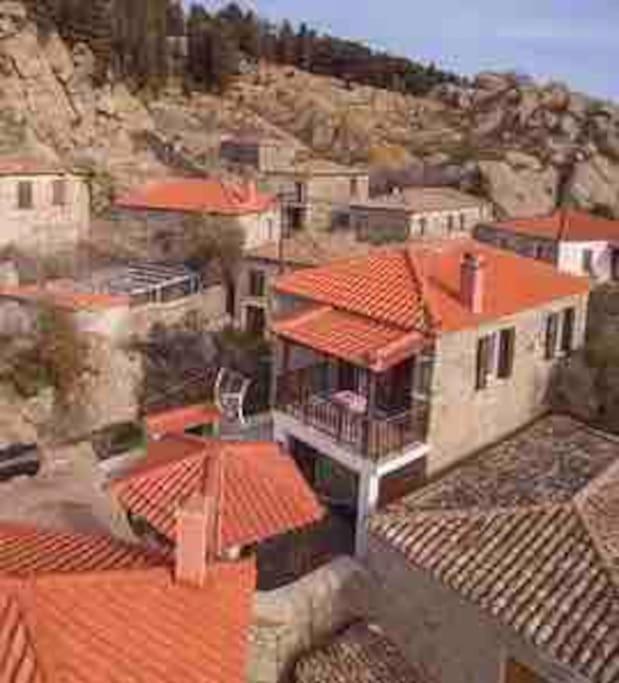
(309,396)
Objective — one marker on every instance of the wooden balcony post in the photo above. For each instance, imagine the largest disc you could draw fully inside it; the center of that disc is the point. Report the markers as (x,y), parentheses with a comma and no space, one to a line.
(370,415)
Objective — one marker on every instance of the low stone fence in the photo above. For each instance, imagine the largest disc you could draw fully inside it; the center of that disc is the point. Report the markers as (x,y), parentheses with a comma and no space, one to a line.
(301,616)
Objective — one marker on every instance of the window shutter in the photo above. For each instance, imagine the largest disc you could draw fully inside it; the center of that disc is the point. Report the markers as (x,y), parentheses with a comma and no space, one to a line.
(483,363)
(506,352)
(567,333)
(552,328)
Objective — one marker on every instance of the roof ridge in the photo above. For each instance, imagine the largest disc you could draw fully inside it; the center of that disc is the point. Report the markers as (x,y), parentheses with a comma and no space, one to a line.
(419,277)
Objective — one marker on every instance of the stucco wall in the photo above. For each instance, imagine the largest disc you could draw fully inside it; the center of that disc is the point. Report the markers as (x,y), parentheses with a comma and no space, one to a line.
(44,227)
(442,634)
(462,419)
(571,259)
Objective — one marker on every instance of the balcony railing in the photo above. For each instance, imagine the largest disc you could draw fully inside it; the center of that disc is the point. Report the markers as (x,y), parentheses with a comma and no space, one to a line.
(304,394)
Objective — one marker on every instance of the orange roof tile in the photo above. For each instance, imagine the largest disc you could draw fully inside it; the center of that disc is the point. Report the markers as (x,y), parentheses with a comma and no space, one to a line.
(197,195)
(416,287)
(131,625)
(262,494)
(178,420)
(27,551)
(354,338)
(63,297)
(566,226)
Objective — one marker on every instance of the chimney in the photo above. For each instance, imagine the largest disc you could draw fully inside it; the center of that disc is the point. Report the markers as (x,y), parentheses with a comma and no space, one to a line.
(196,534)
(472,282)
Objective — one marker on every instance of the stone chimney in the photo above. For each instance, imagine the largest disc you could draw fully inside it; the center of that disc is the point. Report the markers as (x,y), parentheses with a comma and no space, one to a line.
(196,539)
(472,282)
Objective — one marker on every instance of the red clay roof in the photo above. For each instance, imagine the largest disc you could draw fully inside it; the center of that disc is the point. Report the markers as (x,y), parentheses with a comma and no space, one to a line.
(178,420)
(126,626)
(64,297)
(354,338)
(262,494)
(416,287)
(566,226)
(76,608)
(197,195)
(12,165)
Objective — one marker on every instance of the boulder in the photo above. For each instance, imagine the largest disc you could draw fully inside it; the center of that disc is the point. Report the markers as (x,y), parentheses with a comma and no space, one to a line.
(519,160)
(519,192)
(595,181)
(490,81)
(556,98)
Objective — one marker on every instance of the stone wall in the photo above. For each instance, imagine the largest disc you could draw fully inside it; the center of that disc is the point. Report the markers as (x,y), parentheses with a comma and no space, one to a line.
(296,618)
(462,419)
(451,640)
(45,228)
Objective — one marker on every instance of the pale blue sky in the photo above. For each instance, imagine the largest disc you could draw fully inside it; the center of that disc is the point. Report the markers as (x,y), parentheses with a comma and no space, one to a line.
(572,40)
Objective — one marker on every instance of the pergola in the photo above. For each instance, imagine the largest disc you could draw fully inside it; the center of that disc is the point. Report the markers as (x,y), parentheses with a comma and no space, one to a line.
(152,282)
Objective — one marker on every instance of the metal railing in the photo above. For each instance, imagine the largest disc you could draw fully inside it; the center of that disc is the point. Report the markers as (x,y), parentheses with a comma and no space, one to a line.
(305,395)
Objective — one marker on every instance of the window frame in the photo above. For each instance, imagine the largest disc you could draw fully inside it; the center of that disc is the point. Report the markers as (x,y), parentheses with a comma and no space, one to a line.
(552,323)
(257,276)
(506,352)
(25,189)
(587,261)
(568,329)
(59,192)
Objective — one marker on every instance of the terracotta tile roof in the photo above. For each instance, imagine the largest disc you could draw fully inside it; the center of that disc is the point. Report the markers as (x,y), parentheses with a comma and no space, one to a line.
(529,532)
(63,296)
(565,226)
(129,625)
(307,249)
(361,654)
(262,493)
(12,165)
(178,420)
(359,340)
(416,287)
(27,551)
(196,195)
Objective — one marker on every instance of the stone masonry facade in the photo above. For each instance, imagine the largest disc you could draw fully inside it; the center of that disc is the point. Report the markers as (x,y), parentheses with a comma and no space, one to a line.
(43,214)
(464,419)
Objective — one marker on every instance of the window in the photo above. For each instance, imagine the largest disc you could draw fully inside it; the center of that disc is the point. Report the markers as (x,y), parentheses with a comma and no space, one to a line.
(423,225)
(462,222)
(567,330)
(484,361)
(539,252)
(256,283)
(255,321)
(299,191)
(450,223)
(551,335)
(422,377)
(587,261)
(24,194)
(507,339)
(354,187)
(270,229)
(59,192)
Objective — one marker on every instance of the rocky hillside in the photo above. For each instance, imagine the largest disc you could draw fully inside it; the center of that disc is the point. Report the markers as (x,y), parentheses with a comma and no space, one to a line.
(521,144)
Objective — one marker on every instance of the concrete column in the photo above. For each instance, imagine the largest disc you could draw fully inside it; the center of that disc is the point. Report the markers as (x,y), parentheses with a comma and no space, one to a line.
(367,502)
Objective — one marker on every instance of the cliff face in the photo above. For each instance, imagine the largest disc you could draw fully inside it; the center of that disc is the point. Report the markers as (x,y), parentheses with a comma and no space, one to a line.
(521,144)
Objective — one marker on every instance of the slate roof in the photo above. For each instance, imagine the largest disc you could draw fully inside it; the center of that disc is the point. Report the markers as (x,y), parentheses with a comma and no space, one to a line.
(90,610)
(565,226)
(198,195)
(361,654)
(262,493)
(528,530)
(416,288)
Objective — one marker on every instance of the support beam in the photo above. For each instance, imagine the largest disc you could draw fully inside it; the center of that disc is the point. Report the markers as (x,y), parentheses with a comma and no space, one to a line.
(367,502)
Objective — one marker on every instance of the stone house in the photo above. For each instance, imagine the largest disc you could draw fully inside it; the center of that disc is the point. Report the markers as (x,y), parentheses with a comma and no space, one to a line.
(262,265)
(393,366)
(504,569)
(261,153)
(44,207)
(574,241)
(416,213)
(314,192)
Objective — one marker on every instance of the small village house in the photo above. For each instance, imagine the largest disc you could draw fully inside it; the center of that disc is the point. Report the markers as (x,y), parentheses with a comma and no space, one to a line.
(504,570)
(415,213)
(44,207)
(262,153)
(393,366)
(314,192)
(574,241)
(262,265)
